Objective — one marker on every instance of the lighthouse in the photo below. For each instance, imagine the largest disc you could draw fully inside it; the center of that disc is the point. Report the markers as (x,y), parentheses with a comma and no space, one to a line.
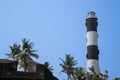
(92,42)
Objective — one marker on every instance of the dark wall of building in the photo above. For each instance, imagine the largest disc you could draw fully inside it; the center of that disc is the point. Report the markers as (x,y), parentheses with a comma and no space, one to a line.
(6,68)
(8,71)
(42,70)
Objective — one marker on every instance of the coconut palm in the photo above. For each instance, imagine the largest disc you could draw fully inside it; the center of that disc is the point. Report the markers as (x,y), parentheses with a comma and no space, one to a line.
(47,65)
(26,55)
(117,78)
(96,76)
(68,66)
(103,76)
(79,73)
(27,47)
(15,50)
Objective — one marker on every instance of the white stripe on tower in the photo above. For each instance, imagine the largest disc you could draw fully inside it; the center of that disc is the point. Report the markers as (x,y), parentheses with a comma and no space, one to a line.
(94,63)
(92,42)
(92,38)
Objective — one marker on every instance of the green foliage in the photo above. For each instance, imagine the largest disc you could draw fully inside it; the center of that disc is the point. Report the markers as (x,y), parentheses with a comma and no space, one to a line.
(14,51)
(117,78)
(68,65)
(23,54)
(79,73)
(47,65)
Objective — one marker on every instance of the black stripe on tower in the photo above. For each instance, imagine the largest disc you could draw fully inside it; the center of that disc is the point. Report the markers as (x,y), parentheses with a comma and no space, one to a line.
(92,52)
(91,24)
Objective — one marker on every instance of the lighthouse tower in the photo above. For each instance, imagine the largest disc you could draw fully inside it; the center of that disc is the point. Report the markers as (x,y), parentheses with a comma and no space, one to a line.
(92,42)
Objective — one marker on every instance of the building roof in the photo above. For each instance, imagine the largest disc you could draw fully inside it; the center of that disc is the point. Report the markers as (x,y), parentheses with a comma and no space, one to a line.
(42,72)
(6,61)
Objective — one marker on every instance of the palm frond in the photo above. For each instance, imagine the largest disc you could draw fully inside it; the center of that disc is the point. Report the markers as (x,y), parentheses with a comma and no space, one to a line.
(34,55)
(68,65)
(8,55)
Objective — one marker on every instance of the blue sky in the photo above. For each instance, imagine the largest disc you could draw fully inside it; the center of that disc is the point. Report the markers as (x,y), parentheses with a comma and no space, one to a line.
(57,27)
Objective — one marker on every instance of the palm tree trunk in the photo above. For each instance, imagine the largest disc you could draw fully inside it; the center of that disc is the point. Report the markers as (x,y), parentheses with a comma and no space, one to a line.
(68,77)
(25,69)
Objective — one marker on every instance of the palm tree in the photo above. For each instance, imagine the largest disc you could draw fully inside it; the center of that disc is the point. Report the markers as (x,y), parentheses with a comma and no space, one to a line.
(96,76)
(68,66)
(27,52)
(47,65)
(103,76)
(15,50)
(117,78)
(24,60)
(79,73)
